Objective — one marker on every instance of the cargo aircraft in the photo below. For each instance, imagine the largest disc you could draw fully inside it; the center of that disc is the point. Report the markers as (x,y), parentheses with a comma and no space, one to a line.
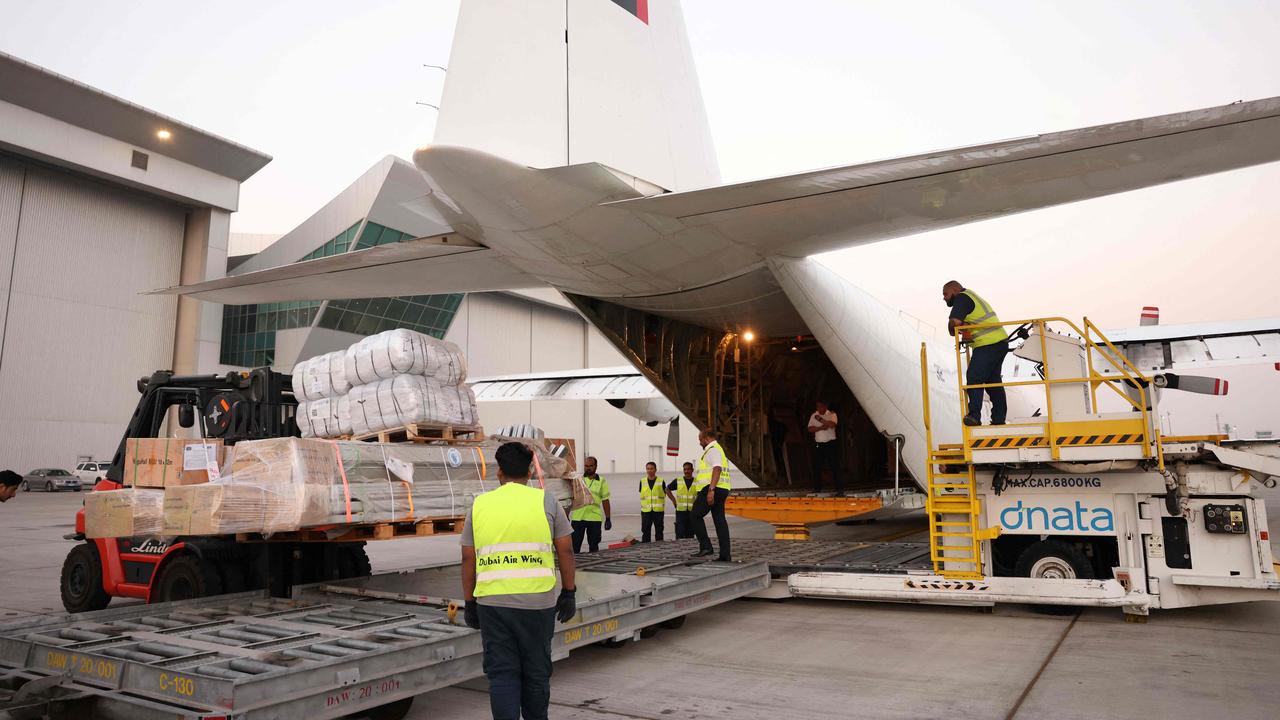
(572,151)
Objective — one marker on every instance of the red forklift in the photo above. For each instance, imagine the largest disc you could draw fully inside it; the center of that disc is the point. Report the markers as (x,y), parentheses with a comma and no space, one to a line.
(236,406)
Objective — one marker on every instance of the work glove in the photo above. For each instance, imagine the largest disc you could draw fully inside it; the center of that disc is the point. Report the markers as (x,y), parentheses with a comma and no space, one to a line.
(471,615)
(566,605)
(608,523)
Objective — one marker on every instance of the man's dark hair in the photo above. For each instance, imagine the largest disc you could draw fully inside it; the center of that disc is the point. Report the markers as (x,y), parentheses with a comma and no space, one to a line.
(10,478)
(590,457)
(688,464)
(654,464)
(514,459)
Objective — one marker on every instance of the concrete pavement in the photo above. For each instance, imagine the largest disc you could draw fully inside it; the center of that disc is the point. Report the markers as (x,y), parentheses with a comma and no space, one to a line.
(814,659)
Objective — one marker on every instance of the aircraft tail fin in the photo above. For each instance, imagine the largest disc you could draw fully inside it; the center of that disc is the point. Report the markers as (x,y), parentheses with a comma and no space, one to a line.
(563,82)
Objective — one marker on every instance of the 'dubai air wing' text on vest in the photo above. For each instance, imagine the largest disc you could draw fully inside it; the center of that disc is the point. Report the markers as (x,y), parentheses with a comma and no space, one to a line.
(514,552)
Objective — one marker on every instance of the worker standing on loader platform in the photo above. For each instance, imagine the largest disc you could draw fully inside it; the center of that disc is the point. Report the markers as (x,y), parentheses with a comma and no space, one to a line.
(587,519)
(682,494)
(653,503)
(987,348)
(511,541)
(712,485)
(9,482)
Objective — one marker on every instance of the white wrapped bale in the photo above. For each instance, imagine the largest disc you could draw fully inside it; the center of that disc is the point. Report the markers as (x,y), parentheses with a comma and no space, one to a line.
(403,352)
(323,376)
(325,418)
(409,399)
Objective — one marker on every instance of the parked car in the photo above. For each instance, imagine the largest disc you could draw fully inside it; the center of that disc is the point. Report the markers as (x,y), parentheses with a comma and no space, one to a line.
(90,470)
(50,479)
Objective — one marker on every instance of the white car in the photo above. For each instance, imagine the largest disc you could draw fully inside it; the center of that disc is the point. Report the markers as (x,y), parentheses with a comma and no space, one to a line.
(90,470)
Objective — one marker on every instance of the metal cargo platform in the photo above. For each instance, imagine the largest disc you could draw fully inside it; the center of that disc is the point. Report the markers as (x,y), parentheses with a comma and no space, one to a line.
(783,556)
(330,651)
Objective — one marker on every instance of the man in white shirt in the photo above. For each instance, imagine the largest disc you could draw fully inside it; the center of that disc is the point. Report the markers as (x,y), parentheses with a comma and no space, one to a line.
(826,449)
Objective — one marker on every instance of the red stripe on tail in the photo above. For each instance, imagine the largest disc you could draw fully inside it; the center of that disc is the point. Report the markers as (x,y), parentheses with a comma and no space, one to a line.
(642,10)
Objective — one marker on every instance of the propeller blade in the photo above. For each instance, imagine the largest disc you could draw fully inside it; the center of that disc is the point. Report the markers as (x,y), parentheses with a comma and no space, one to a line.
(1150,316)
(1193,383)
(673,438)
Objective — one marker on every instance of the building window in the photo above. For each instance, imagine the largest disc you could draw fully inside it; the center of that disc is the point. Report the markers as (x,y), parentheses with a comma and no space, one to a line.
(249,331)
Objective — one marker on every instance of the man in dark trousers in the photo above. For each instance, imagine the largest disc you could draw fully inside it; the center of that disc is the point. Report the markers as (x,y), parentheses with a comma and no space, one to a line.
(826,446)
(682,494)
(653,503)
(711,482)
(511,540)
(9,482)
(587,520)
(987,348)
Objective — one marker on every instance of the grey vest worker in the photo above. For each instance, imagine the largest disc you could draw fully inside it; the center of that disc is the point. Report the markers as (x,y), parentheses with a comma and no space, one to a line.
(511,541)
(987,349)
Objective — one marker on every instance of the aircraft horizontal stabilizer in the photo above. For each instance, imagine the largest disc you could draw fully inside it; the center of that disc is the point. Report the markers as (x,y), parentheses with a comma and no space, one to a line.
(440,264)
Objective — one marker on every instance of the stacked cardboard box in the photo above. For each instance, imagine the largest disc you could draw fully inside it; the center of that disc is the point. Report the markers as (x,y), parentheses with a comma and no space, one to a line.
(169,462)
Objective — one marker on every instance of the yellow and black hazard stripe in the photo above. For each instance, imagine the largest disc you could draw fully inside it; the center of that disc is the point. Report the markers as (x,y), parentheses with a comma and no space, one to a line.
(1018,441)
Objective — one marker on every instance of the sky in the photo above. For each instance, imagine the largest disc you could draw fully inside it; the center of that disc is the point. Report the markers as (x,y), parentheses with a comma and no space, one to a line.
(329,88)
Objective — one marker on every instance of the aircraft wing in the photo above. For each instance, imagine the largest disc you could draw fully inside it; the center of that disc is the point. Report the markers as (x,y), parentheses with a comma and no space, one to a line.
(620,383)
(813,212)
(439,264)
(1199,345)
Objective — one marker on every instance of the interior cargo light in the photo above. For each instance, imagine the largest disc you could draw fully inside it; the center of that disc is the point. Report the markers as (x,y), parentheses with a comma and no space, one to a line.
(748,336)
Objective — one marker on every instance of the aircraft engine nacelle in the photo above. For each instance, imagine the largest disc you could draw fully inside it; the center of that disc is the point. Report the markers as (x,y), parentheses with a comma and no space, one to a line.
(650,411)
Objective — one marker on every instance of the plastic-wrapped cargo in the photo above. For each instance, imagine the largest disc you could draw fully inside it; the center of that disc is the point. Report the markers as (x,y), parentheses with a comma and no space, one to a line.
(323,376)
(127,512)
(325,418)
(403,352)
(285,484)
(406,399)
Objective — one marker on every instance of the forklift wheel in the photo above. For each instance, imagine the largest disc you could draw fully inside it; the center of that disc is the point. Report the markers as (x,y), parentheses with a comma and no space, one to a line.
(353,561)
(390,711)
(81,581)
(186,577)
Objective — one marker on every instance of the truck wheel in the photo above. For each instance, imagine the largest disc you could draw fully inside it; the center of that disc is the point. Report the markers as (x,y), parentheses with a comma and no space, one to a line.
(1054,559)
(186,577)
(81,581)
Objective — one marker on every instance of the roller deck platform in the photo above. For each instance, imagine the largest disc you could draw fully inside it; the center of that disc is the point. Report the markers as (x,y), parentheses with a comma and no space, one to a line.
(331,650)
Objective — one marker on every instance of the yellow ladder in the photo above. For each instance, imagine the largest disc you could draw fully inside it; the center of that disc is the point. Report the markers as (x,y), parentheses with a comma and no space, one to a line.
(954,510)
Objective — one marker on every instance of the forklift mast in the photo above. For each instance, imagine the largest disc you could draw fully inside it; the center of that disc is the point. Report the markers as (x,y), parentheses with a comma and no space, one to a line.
(237,406)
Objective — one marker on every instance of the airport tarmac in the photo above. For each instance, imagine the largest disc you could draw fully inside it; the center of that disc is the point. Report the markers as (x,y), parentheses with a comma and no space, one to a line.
(800,659)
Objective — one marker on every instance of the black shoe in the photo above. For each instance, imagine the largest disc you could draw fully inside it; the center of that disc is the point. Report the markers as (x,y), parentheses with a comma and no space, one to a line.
(703,553)
(972,421)
(724,559)
(993,422)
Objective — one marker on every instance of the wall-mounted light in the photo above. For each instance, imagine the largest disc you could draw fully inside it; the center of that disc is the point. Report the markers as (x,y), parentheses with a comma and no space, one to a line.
(164,134)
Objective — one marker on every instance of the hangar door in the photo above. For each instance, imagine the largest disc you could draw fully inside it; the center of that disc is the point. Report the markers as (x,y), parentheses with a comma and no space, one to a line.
(75,334)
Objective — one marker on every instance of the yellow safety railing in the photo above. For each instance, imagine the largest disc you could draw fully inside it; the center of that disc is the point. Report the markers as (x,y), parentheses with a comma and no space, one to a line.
(1123,375)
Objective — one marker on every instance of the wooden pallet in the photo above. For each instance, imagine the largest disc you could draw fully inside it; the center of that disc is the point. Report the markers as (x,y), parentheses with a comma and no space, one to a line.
(354,533)
(423,433)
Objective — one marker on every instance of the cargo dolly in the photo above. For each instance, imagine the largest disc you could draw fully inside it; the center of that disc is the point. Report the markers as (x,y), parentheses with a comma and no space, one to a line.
(361,646)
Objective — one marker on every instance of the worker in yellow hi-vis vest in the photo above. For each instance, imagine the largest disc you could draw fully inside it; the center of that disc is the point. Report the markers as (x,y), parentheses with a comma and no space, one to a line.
(987,348)
(511,540)
(681,493)
(712,487)
(588,519)
(653,503)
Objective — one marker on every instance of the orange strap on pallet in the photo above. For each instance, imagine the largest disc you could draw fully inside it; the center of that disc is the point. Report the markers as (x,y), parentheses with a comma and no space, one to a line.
(346,488)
